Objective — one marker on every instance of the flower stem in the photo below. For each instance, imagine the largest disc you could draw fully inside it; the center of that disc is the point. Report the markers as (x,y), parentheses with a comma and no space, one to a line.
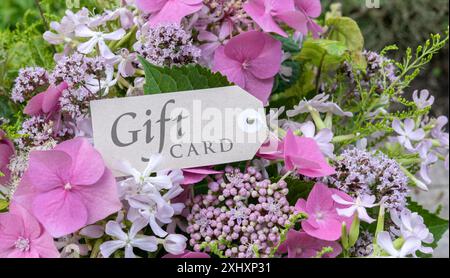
(342,138)
(96,248)
(316,118)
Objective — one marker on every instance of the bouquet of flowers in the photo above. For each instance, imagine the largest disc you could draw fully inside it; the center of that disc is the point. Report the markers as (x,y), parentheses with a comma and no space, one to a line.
(353,139)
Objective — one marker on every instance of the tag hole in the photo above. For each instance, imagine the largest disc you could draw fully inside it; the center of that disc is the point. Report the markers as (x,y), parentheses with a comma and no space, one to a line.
(251,121)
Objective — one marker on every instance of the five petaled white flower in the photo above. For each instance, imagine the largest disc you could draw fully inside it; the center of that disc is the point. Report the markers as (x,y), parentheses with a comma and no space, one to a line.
(409,247)
(359,206)
(407,132)
(97,38)
(423,100)
(128,240)
(411,225)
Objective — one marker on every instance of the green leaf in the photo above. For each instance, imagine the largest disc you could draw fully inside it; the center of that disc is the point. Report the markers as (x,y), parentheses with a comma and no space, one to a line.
(3,204)
(176,79)
(298,189)
(288,44)
(325,53)
(434,223)
(346,30)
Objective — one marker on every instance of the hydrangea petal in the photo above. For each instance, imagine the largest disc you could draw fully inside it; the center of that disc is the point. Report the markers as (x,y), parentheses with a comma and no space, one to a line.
(49,169)
(101,199)
(87,166)
(61,212)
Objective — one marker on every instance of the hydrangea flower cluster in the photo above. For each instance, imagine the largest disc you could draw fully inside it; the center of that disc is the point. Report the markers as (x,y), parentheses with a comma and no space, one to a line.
(166,45)
(242,212)
(361,173)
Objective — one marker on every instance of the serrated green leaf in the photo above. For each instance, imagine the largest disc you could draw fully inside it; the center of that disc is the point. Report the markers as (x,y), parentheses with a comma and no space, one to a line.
(183,83)
(176,79)
(197,80)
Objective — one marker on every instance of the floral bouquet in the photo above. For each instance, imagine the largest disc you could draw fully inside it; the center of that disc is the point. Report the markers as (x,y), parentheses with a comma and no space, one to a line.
(353,139)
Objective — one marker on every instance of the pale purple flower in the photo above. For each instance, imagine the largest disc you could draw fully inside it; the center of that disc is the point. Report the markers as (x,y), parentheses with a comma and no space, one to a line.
(27,82)
(407,132)
(323,137)
(97,38)
(102,85)
(65,30)
(411,225)
(125,60)
(153,210)
(438,132)
(423,100)
(321,104)
(359,206)
(145,179)
(424,167)
(360,172)
(166,45)
(410,246)
(93,231)
(124,15)
(128,240)
(210,43)
(175,244)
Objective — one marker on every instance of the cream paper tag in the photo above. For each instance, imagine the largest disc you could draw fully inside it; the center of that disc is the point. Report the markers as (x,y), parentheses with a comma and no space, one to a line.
(190,129)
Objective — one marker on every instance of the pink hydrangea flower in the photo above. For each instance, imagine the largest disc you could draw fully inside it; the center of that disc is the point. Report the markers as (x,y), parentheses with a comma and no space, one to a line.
(21,236)
(168,11)
(46,102)
(272,149)
(323,221)
(303,155)
(250,60)
(6,152)
(266,13)
(68,188)
(301,245)
(196,175)
(188,255)
(311,9)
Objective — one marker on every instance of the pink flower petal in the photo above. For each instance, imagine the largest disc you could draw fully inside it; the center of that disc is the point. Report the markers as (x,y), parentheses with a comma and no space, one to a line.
(228,67)
(311,8)
(259,88)
(52,96)
(34,106)
(87,166)
(257,11)
(268,63)
(330,230)
(60,211)
(196,175)
(173,12)
(319,199)
(246,46)
(101,199)
(49,169)
(150,6)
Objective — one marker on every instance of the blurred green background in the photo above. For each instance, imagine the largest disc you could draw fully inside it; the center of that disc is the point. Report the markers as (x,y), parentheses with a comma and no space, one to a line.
(403,22)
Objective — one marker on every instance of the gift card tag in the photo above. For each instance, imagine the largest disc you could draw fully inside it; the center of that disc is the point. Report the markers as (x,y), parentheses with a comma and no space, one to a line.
(190,128)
